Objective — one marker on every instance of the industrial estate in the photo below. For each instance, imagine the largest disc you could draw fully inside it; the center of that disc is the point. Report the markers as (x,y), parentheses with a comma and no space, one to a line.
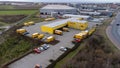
(63,28)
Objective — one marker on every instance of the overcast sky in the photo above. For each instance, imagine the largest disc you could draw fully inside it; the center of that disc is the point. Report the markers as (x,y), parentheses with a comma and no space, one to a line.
(103,1)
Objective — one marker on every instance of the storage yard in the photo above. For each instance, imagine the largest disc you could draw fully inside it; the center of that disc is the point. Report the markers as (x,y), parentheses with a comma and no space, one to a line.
(44,38)
(64,40)
(57,34)
(52,53)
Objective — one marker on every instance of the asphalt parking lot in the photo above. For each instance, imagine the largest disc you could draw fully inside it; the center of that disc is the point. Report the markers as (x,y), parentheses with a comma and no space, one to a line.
(53,52)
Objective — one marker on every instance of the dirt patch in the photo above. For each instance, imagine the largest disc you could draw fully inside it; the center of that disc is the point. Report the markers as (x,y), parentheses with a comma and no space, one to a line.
(11,18)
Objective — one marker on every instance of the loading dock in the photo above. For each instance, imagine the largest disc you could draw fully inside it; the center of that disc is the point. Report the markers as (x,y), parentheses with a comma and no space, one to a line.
(50,28)
(71,22)
(82,25)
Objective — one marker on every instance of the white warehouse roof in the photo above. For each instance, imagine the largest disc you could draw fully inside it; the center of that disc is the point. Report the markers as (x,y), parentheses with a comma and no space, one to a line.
(54,24)
(95,13)
(57,7)
(76,16)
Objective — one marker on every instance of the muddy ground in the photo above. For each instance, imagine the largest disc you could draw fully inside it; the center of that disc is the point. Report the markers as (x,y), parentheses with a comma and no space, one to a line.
(9,19)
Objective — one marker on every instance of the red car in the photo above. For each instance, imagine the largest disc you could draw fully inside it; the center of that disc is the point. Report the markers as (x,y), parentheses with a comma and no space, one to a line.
(76,41)
(36,50)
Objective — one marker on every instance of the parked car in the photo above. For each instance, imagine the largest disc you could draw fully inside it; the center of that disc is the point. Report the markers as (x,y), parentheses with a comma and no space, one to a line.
(25,33)
(76,41)
(38,66)
(63,48)
(41,49)
(36,50)
(118,24)
(45,46)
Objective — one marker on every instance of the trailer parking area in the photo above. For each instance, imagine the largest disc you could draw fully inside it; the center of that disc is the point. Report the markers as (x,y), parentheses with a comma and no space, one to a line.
(53,52)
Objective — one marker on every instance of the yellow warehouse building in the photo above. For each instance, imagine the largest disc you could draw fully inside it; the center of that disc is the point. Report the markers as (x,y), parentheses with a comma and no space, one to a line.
(50,28)
(78,24)
(71,22)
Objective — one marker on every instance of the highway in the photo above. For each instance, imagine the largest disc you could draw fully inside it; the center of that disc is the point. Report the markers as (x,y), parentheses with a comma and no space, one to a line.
(113,31)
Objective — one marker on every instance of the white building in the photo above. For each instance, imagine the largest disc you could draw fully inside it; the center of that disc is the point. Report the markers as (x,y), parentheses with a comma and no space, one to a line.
(59,9)
(85,17)
(90,13)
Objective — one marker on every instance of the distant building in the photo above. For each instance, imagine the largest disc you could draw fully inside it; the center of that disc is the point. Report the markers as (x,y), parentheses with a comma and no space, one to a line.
(85,17)
(106,13)
(90,13)
(59,9)
(22,3)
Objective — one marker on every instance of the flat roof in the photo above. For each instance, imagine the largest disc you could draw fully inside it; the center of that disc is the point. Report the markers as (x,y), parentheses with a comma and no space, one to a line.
(90,12)
(57,7)
(76,16)
(54,24)
(76,20)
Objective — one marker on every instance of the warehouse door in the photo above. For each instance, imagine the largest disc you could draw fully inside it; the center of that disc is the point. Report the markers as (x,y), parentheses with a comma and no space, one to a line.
(58,12)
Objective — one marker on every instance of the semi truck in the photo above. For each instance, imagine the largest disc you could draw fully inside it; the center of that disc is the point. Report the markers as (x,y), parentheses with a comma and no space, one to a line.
(91,31)
(21,31)
(29,23)
(40,36)
(49,39)
(49,19)
(65,29)
(37,35)
(82,35)
(59,32)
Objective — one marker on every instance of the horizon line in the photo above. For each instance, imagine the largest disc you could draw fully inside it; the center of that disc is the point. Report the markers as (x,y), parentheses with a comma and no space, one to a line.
(59,2)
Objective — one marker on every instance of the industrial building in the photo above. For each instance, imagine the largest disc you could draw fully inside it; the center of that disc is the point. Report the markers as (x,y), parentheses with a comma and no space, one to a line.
(77,24)
(105,13)
(71,22)
(90,13)
(49,28)
(85,17)
(57,9)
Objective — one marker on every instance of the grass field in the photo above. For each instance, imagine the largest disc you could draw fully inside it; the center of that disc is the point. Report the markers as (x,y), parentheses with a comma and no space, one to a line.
(3,24)
(12,48)
(6,7)
(35,18)
(17,12)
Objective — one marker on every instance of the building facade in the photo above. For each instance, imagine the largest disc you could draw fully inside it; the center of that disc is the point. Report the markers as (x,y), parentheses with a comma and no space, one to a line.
(58,9)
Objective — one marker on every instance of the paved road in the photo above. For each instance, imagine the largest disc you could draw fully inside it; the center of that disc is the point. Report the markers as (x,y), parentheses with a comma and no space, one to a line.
(4,27)
(113,31)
